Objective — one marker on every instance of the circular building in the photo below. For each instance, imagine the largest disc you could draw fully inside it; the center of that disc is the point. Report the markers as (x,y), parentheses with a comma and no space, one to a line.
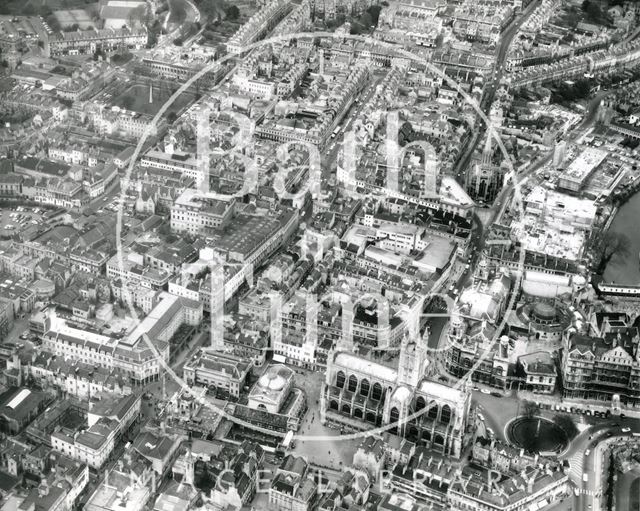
(544,320)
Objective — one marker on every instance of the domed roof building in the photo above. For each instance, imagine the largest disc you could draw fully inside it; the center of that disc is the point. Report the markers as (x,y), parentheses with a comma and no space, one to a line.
(544,320)
(272,389)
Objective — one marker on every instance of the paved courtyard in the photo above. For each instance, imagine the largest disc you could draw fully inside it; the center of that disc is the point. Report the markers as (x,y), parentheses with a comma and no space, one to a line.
(330,451)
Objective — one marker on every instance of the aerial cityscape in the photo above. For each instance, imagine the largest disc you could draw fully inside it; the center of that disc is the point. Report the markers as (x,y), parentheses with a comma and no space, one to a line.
(319,255)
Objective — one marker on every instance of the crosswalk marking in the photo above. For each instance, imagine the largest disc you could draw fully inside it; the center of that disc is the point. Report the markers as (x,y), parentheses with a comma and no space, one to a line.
(575,466)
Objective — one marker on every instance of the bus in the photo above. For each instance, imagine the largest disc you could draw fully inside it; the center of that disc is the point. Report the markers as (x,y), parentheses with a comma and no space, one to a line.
(286,444)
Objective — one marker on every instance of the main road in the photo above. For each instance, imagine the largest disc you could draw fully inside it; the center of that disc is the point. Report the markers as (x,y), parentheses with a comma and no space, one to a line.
(588,459)
(492,86)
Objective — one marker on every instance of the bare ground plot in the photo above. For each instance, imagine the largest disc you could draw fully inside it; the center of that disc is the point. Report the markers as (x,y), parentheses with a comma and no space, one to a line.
(80,17)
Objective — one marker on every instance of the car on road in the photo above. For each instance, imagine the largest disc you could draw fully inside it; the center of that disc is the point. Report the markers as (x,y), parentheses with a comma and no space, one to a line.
(481,417)
(587,452)
(626,430)
(491,432)
(485,391)
(496,394)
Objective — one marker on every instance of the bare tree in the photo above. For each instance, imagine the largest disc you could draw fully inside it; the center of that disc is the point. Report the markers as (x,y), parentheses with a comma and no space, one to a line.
(608,245)
(530,409)
(567,424)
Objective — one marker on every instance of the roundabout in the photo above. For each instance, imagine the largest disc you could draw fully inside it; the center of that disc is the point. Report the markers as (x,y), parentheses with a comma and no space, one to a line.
(536,434)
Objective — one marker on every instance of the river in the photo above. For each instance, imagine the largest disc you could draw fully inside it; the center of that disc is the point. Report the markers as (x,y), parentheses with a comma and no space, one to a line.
(626,270)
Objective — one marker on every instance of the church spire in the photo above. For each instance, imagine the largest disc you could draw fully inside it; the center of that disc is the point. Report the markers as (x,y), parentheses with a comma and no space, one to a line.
(487,151)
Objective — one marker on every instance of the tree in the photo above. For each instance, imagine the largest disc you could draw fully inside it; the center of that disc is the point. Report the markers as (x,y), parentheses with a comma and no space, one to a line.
(374,11)
(232,12)
(592,9)
(211,9)
(138,16)
(171,117)
(568,426)
(608,245)
(367,20)
(128,102)
(530,409)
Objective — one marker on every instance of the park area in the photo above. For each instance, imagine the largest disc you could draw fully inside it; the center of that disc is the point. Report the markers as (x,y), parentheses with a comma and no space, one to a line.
(40,7)
(148,99)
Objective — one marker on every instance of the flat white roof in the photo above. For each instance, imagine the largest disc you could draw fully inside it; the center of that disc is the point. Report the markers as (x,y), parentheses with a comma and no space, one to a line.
(60,326)
(452,192)
(584,164)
